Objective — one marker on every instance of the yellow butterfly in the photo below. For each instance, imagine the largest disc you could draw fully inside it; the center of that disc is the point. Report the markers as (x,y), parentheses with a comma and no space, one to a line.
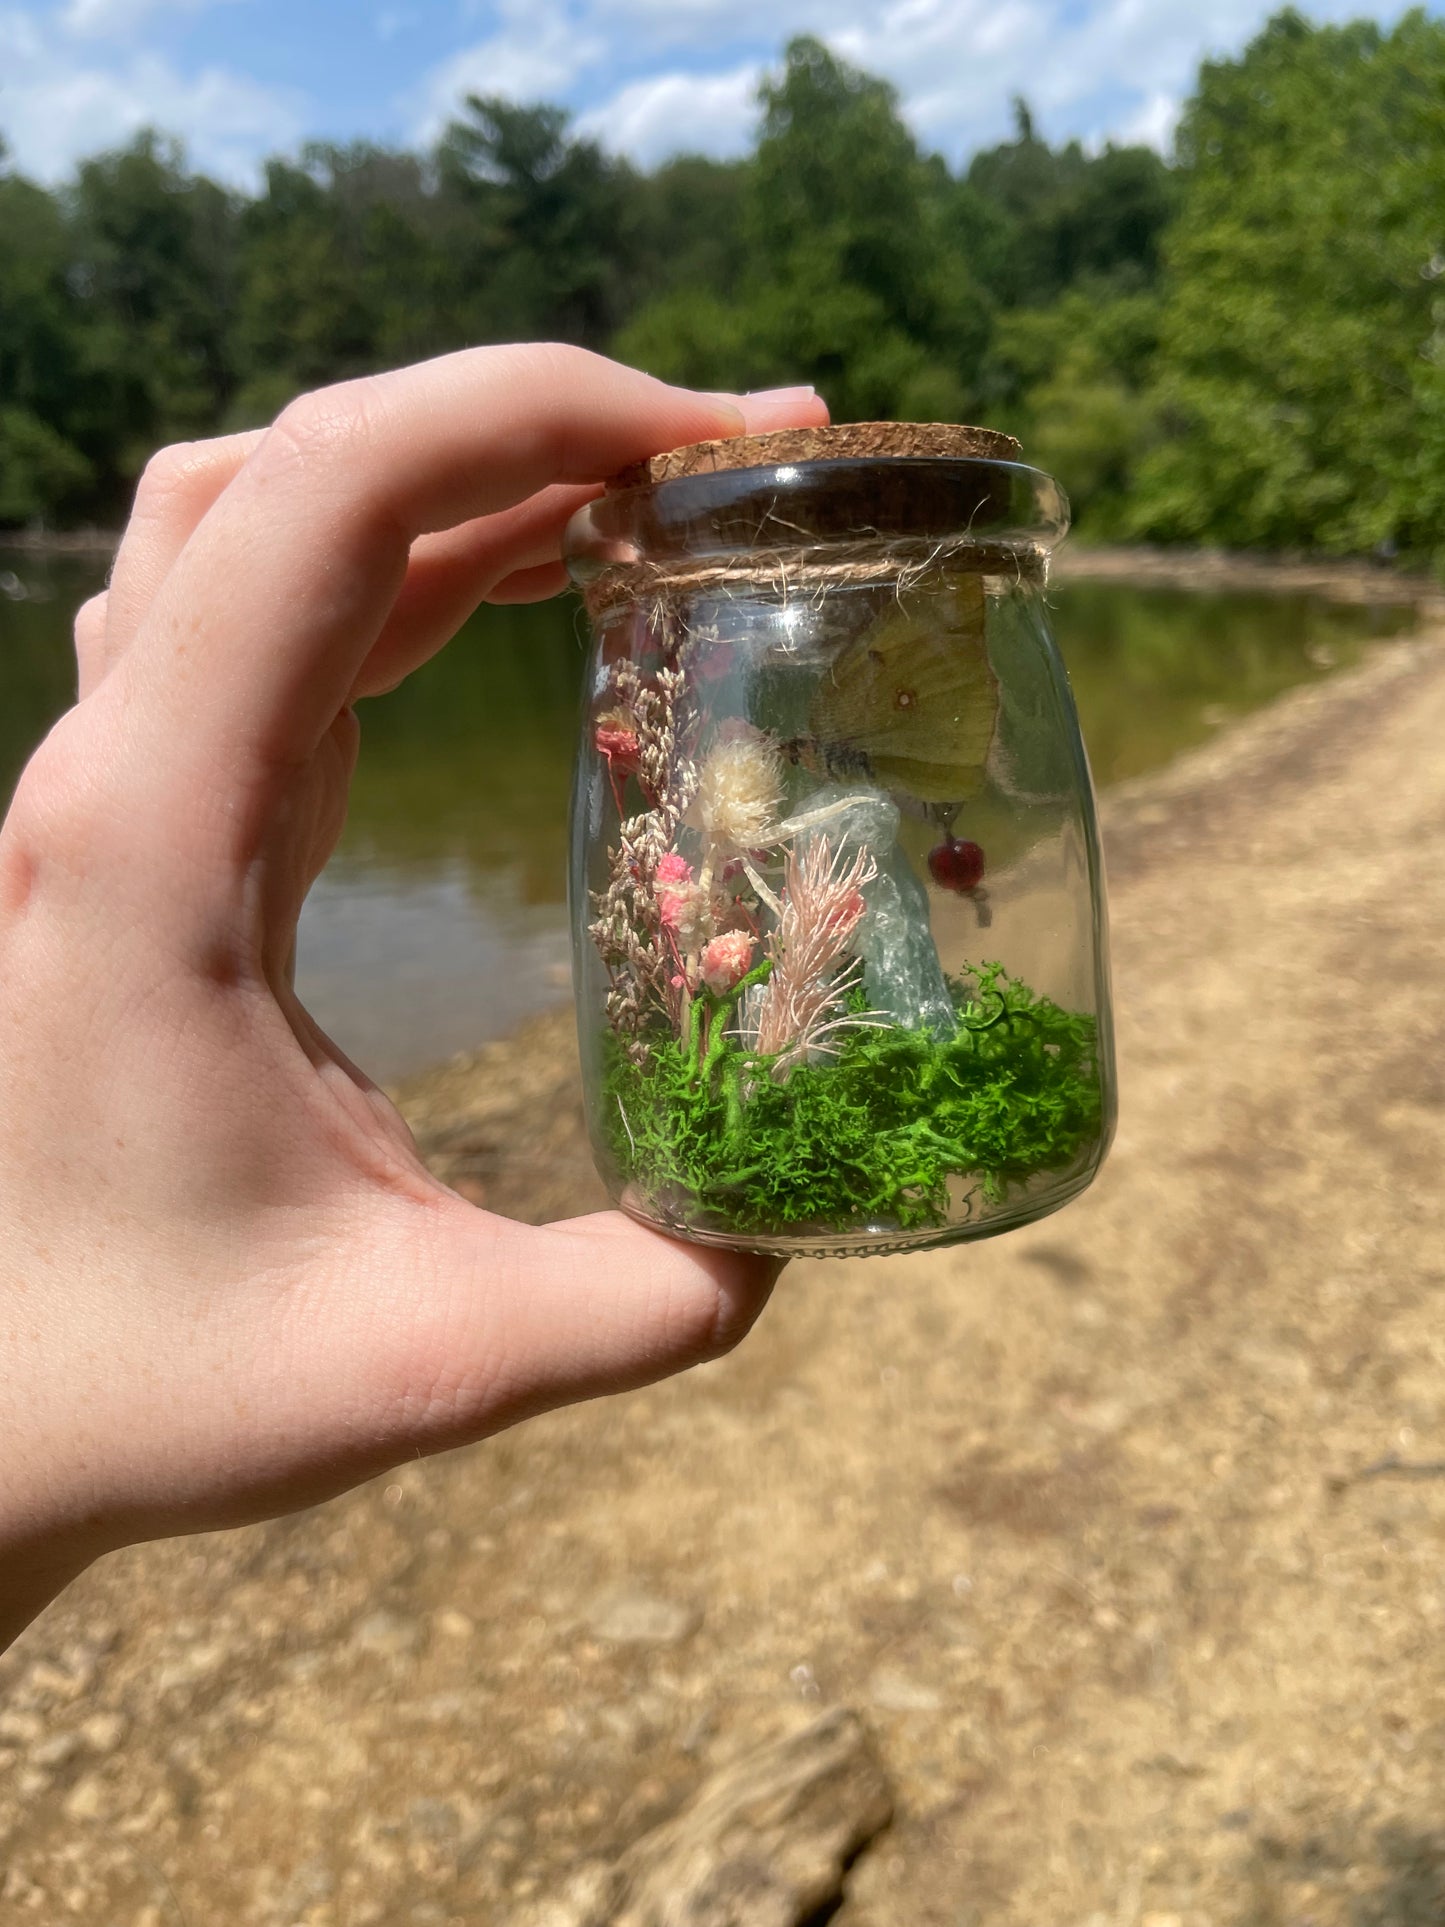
(913,702)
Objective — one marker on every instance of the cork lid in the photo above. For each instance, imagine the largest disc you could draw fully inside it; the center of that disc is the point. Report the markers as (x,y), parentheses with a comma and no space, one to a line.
(847,442)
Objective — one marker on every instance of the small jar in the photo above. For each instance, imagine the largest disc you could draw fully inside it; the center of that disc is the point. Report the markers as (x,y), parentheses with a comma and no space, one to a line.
(838,904)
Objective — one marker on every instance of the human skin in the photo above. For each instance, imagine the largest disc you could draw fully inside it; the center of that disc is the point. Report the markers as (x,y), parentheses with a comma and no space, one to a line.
(228,1286)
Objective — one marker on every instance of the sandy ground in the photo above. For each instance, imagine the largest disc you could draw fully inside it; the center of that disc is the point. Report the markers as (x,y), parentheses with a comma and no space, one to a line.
(1125,1534)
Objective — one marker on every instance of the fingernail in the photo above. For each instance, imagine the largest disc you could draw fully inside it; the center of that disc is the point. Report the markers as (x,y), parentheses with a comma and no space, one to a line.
(805,393)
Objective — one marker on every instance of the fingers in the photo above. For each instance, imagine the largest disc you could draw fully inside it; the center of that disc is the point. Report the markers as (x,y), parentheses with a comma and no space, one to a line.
(179,485)
(496,1321)
(90,640)
(450,573)
(261,630)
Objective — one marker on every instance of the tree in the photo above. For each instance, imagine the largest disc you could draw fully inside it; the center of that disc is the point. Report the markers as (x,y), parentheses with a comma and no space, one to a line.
(342,271)
(152,272)
(852,279)
(1300,366)
(548,228)
(42,371)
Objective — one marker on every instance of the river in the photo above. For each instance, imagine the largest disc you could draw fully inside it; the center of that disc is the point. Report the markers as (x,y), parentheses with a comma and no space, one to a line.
(440,921)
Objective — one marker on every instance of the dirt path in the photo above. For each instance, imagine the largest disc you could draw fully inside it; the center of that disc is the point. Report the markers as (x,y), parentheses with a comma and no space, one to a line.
(1124,1533)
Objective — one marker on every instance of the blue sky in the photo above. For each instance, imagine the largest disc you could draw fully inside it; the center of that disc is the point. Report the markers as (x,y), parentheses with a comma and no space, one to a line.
(238,79)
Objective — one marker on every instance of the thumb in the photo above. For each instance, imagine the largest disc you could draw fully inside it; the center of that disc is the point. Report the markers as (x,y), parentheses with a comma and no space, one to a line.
(489,1321)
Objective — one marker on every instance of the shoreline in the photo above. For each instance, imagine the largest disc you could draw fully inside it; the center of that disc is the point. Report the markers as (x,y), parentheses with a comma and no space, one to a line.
(1141,565)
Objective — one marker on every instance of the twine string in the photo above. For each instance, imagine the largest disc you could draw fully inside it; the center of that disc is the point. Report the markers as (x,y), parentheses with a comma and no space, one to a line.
(805,572)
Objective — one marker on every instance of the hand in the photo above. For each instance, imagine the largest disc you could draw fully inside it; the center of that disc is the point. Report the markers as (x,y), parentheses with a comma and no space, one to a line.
(228,1287)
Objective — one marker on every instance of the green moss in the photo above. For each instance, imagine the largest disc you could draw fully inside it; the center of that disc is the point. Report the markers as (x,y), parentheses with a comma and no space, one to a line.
(870,1136)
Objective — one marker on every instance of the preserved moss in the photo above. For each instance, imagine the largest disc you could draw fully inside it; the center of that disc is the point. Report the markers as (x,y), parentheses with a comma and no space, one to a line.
(878,1134)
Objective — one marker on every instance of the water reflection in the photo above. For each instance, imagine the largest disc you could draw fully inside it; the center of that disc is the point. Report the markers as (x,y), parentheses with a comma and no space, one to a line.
(440,921)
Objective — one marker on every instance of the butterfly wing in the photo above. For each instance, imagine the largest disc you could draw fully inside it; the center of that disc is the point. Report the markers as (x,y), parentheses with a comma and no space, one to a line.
(913,702)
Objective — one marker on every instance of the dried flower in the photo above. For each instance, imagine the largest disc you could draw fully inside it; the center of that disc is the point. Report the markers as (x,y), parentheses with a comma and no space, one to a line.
(684,910)
(615,735)
(800,1008)
(638,952)
(726,960)
(739,791)
(673,869)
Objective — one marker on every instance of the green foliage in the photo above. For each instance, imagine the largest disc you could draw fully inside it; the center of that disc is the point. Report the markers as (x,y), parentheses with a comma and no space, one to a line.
(1246,347)
(852,273)
(1299,369)
(1061,217)
(152,266)
(545,227)
(875,1135)
(39,470)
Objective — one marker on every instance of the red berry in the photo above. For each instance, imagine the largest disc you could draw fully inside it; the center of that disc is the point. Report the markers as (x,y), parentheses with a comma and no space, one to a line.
(956,865)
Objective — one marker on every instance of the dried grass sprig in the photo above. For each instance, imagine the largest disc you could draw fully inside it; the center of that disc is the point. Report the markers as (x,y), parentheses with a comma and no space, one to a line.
(641,959)
(801,1008)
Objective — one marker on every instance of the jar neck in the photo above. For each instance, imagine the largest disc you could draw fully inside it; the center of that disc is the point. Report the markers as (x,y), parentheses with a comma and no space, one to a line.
(855,521)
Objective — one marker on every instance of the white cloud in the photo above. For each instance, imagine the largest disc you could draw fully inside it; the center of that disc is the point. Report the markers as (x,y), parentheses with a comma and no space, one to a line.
(118,19)
(1153,125)
(642,69)
(537,54)
(718,113)
(58,105)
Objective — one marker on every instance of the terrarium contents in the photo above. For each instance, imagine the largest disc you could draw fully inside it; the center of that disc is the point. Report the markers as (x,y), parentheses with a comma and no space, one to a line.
(820,717)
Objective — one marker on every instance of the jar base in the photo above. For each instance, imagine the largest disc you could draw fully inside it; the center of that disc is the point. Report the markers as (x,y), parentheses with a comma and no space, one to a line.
(884,1243)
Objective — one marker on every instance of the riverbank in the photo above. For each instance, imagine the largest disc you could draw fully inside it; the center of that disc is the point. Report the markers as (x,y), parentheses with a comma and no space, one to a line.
(1211,569)
(1138,565)
(1121,1534)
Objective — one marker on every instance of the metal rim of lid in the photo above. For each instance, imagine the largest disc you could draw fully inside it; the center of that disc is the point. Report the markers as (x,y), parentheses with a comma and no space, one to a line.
(847,441)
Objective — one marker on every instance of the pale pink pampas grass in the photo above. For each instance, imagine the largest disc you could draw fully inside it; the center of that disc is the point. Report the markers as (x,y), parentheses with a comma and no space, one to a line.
(798,1010)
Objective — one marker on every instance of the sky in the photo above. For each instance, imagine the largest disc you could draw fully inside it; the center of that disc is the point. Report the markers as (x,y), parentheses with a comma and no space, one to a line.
(240,79)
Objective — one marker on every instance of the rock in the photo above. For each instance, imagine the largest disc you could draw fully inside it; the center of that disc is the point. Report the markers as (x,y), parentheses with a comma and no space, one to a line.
(194,1664)
(636,1619)
(389,1634)
(21,1729)
(86,1799)
(764,1842)
(59,1750)
(897,1693)
(48,1681)
(103,1732)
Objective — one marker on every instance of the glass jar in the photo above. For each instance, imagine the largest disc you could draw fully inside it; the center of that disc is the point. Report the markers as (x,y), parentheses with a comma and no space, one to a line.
(838,904)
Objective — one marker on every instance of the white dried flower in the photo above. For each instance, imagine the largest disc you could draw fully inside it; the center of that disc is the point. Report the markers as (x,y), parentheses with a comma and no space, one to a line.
(739,792)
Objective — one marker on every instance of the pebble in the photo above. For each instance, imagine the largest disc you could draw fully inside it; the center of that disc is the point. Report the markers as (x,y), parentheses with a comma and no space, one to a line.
(898,1693)
(22,1729)
(57,1751)
(640,1619)
(454,1625)
(389,1634)
(53,1682)
(103,1732)
(86,1799)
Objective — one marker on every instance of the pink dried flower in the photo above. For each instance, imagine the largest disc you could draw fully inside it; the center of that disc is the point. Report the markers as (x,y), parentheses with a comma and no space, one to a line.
(616,737)
(683,910)
(673,868)
(727,960)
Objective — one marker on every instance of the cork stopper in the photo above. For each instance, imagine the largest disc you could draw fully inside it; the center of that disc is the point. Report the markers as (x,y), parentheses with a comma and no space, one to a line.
(848,442)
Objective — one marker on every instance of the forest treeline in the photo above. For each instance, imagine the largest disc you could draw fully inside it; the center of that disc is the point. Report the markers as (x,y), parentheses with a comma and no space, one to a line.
(1244,344)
